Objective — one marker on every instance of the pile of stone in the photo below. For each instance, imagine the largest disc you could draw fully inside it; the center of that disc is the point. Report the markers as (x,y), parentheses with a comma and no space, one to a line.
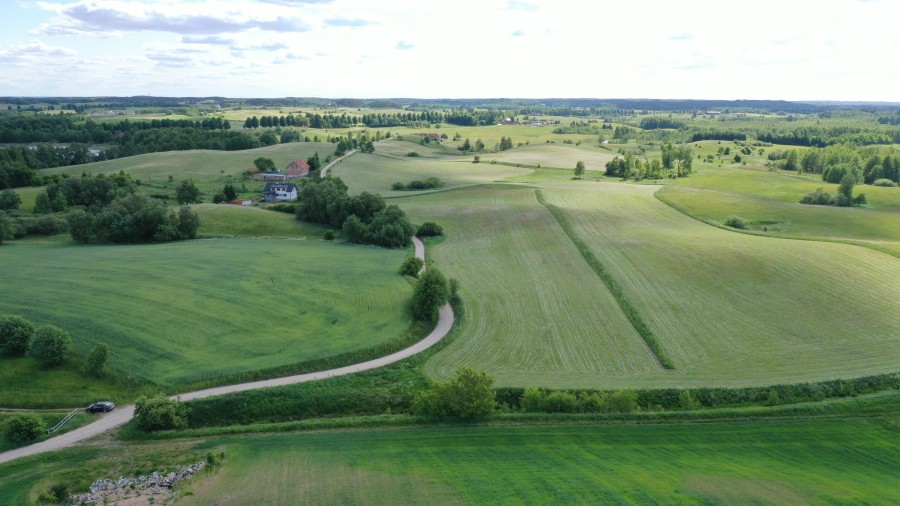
(155,483)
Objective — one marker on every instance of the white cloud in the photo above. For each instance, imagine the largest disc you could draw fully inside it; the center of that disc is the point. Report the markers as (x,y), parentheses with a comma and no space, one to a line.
(35,51)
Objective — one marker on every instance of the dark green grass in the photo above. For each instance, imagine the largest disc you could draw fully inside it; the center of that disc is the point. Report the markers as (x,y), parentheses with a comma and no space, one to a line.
(195,311)
(842,461)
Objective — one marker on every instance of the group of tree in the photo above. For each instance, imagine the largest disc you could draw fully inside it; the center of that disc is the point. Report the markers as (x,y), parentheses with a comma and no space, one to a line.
(844,197)
(418,184)
(363,218)
(48,345)
(866,164)
(133,219)
(655,122)
(632,167)
(469,395)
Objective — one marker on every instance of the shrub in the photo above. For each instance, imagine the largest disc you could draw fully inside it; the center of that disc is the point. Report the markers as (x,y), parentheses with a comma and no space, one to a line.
(160,413)
(884,182)
(532,400)
(468,396)
(412,266)
(23,428)
(96,359)
(687,402)
(860,200)
(429,229)
(398,186)
(623,401)
(412,154)
(15,332)
(49,345)
(560,402)
(329,235)
(735,222)
(818,198)
(9,200)
(42,225)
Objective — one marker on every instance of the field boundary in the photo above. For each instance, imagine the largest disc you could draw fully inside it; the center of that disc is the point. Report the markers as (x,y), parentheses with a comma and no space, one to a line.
(630,311)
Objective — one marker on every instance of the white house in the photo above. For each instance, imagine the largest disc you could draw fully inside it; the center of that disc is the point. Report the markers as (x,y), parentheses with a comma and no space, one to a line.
(280,192)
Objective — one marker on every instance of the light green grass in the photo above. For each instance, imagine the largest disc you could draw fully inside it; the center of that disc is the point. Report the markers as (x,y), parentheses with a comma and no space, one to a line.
(786,462)
(729,309)
(211,170)
(554,155)
(192,311)
(732,309)
(227,219)
(535,312)
(377,172)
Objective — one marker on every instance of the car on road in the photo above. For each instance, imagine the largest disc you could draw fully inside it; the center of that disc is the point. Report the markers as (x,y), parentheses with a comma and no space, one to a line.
(100,407)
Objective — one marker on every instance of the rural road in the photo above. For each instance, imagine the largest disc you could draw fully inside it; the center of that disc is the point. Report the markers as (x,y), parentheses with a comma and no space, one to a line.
(324,171)
(123,414)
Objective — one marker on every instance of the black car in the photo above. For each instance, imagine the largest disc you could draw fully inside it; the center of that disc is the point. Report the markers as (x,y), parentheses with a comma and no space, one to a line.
(102,407)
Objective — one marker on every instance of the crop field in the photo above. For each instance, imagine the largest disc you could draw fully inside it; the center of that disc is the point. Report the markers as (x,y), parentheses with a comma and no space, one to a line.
(535,312)
(187,312)
(732,309)
(827,461)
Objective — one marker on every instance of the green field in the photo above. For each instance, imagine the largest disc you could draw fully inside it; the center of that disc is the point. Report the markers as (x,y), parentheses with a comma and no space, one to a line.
(555,155)
(226,219)
(185,312)
(377,172)
(729,309)
(791,462)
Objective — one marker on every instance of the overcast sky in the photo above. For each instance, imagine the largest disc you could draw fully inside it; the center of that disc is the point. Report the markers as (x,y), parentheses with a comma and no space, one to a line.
(764,49)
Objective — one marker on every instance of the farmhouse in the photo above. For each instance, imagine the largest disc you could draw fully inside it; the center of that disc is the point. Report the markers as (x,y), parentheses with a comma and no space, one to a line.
(297,168)
(280,192)
(241,202)
(271,176)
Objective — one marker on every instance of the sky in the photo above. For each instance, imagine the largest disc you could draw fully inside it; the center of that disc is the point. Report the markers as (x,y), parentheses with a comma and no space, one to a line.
(687,49)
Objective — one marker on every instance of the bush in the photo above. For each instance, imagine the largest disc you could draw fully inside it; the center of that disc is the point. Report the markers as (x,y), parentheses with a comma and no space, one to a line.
(15,332)
(9,200)
(329,235)
(884,182)
(23,428)
(96,359)
(735,222)
(468,396)
(49,345)
(429,229)
(623,401)
(687,402)
(412,154)
(42,225)
(412,266)
(430,293)
(818,198)
(398,186)
(160,413)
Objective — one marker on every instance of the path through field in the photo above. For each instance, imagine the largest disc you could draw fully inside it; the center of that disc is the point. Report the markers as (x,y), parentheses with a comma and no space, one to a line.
(123,414)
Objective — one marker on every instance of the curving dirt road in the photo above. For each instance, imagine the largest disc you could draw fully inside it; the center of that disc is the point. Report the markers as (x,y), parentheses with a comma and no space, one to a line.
(123,414)
(324,171)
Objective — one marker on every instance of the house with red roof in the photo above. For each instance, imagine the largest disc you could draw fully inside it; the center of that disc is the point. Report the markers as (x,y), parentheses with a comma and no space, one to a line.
(297,168)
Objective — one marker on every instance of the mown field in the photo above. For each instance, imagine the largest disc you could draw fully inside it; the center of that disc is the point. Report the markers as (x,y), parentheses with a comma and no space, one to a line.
(389,164)
(733,309)
(186,312)
(226,219)
(730,309)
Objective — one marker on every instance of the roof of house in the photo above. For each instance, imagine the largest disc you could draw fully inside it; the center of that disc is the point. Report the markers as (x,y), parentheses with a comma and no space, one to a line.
(298,165)
(288,187)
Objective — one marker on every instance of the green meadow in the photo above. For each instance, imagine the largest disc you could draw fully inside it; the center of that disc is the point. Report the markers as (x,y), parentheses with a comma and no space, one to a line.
(189,312)
(807,461)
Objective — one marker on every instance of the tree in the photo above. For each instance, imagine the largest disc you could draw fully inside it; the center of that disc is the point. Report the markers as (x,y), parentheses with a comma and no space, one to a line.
(314,162)
(6,227)
(468,396)
(579,169)
(160,413)
(264,164)
(844,197)
(355,230)
(391,228)
(81,225)
(412,266)
(23,428)
(467,146)
(49,345)
(229,192)
(429,229)
(188,223)
(687,402)
(15,332)
(9,200)
(96,359)
(479,145)
(187,192)
(429,295)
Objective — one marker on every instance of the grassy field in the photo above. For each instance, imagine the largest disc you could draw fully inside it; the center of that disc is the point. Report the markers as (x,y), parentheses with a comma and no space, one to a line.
(555,156)
(732,309)
(225,219)
(166,309)
(836,461)
(535,313)
(377,172)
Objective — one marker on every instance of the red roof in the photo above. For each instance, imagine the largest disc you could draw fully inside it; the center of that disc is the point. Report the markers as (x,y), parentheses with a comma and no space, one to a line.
(298,164)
